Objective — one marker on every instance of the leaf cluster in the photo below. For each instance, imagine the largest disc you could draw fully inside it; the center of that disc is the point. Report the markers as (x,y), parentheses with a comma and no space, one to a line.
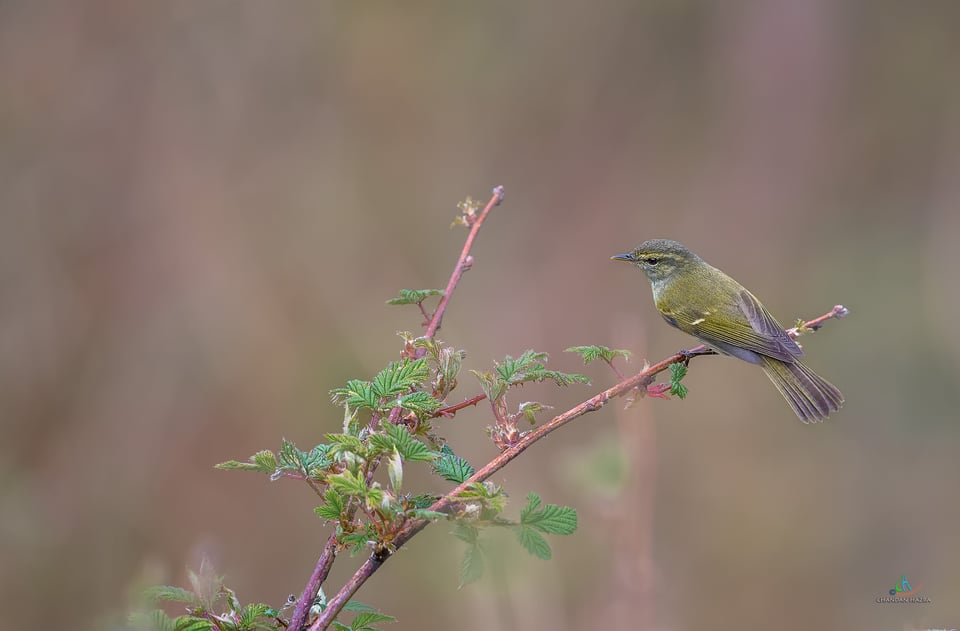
(535,521)
(511,372)
(593,353)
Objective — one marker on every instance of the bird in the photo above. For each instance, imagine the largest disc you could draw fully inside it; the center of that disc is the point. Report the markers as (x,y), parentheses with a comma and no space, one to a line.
(706,303)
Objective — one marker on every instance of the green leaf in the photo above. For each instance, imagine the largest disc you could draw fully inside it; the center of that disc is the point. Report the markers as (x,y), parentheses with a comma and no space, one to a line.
(466,533)
(593,353)
(533,542)
(533,503)
(356,605)
(553,519)
(409,447)
(528,367)
(357,394)
(677,372)
(250,614)
(348,483)
(357,541)
(364,619)
(332,509)
(451,467)
(399,377)
(424,500)
(345,443)
(420,403)
(193,623)
(262,461)
(530,409)
(308,463)
(471,568)
(169,592)
(414,296)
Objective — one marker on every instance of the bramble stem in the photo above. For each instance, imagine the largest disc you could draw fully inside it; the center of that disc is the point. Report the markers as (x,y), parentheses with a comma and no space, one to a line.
(594,403)
(462,263)
(450,409)
(327,557)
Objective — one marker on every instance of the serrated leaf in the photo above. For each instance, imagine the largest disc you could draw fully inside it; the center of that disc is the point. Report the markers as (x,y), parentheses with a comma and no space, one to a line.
(552,519)
(533,503)
(357,394)
(414,296)
(364,619)
(262,461)
(593,353)
(410,448)
(492,385)
(332,508)
(399,377)
(530,409)
(156,593)
(345,443)
(376,498)
(356,605)
(288,457)
(420,403)
(471,568)
(677,372)
(451,467)
(348,483)
(357,541)
(251,612)
(533,542)
(422,501)
(466,533)
(192,623)
(555,520)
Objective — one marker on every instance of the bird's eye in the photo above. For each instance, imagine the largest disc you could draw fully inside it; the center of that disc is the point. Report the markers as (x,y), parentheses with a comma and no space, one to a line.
(653,260)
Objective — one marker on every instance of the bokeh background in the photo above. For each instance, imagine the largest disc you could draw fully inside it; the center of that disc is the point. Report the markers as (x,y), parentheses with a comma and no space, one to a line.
(204,205)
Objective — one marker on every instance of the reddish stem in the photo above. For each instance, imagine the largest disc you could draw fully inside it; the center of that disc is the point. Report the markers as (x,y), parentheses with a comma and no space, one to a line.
(451,409)
(325,562)
(462,264)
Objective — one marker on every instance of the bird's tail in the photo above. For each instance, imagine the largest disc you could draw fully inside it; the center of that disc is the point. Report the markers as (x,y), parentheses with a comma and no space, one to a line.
(811,396)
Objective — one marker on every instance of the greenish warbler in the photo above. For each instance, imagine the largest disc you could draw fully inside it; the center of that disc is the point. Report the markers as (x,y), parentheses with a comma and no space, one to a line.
(699,299)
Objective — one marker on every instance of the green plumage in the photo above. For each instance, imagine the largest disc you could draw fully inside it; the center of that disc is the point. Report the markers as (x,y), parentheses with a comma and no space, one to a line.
(702,301)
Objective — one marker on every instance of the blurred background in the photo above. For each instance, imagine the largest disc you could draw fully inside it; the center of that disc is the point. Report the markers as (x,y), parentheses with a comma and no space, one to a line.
(204,206)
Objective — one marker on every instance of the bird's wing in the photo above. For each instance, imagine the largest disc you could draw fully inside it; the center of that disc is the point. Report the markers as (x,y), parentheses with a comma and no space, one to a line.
(759,332)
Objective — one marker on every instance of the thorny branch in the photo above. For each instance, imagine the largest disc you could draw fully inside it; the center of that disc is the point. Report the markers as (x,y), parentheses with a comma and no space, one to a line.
(325,562)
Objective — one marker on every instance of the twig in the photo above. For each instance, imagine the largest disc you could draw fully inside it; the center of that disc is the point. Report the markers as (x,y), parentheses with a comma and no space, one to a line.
(451,409)
(325,562)
(463,263)
(594,403)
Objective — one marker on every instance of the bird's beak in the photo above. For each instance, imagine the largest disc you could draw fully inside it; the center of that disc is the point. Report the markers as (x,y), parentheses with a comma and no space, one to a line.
(628,257)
